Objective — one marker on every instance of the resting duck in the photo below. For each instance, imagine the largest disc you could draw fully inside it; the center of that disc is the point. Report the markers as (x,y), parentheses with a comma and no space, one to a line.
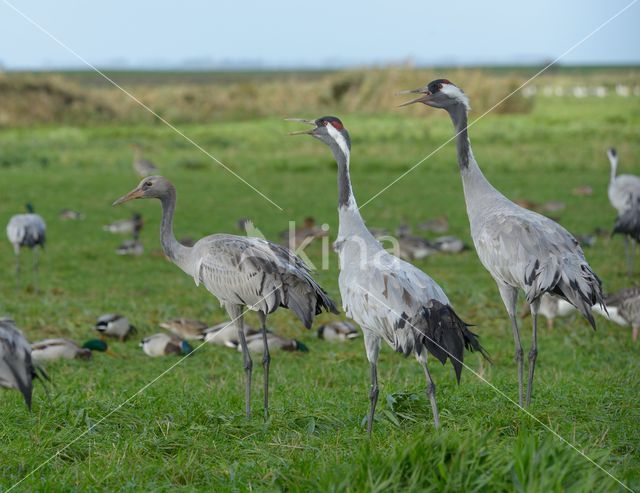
(114,325)
(164,344)
(55,349)
(340,330)
(185,328)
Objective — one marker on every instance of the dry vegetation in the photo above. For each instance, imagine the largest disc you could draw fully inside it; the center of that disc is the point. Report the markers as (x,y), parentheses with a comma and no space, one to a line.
(41,99)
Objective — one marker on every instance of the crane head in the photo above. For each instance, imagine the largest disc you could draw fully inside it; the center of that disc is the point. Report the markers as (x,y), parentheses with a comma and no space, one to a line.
(151,187)
(328,129)
(439,93)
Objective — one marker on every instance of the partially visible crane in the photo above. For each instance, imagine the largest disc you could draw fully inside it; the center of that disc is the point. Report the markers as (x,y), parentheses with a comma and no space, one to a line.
(389,298)
(241,272)
(520,248)
(27,230)
(624,195)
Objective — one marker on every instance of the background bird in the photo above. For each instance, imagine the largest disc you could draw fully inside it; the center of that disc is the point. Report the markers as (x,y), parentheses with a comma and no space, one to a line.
(624,196)
(60,348)
(338,330)
(164,344)
(241,272)
(520,248)
(389,298)
(16,367)
(143,167)
(255,343)
(114,325)
(623,308)
(131,226)
(185,328)
(27,230)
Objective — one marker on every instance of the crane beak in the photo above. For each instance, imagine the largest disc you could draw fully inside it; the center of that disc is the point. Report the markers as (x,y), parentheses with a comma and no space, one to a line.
(426,95)
(302,120)
(133,194)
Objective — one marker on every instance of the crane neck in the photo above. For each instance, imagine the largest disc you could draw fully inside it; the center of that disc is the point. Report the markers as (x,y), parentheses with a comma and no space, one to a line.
(476,186)
(351,221)
(177,252)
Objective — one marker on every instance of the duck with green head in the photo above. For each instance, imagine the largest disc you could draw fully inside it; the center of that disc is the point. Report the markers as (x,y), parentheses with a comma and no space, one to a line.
(60,348)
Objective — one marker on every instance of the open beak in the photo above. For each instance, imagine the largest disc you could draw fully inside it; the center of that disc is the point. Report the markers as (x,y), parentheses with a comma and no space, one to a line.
(302,120)
(426,95)
(133,194)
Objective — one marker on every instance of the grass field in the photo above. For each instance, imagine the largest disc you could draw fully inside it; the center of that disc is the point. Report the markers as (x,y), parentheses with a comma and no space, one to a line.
(187,431)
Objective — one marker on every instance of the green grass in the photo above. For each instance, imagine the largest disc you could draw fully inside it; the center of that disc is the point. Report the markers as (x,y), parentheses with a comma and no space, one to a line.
(187,430)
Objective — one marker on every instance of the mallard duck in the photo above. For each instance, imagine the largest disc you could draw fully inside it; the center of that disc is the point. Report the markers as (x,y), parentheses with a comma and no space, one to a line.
(142,166)
(185,328)
(164,344)
(415,248)
(339,330)
(449,244)
(114,325)
(16,367)
(131,226)
(226,334)
(275,342)
(130,247)
(54,349)
(437,225)
(71,215)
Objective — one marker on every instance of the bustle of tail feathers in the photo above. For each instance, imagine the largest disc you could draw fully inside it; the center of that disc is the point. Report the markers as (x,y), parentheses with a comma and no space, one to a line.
(574,282)
(307,307)
(446,336)
(628,223)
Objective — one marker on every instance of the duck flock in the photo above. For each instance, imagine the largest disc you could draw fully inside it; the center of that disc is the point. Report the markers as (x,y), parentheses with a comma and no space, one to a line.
(390,299)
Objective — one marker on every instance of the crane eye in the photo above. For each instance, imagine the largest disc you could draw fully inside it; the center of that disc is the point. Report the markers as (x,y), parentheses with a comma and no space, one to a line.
(147,184)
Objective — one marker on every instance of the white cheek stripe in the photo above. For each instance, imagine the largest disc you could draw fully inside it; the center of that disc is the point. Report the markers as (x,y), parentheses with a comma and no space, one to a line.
(339,138)
(455,92)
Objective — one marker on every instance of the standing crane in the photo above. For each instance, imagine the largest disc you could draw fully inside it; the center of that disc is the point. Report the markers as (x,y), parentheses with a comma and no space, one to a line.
(624,195)
(241,272)
(389,298)
(142,166)
(521,249)
(16,368)
(27,230)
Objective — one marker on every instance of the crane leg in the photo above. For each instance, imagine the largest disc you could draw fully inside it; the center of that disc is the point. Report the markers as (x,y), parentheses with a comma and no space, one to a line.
(509,296)
(36,261)
(266,360)
(533,353)
(17,271)
(431,388)
(372,346)
(634,334)
(629,250)
(235,312)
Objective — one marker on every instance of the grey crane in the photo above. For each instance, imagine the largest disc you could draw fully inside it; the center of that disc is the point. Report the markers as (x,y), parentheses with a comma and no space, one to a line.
(389,298)
(27,230)
(241,272)
(624,195)
(16,368)
(142,166)
(520,248)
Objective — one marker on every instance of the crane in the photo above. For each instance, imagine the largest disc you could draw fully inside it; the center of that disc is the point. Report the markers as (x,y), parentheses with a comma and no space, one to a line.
(142,166)
(624,195)
(27,230)
(389,298)
(16,367)
(241,272)
(521,249)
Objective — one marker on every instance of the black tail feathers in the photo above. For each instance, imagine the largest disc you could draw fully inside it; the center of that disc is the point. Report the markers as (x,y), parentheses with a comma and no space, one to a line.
(446,336)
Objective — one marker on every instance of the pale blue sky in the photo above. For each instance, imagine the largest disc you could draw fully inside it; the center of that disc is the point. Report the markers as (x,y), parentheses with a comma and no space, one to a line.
(315,33)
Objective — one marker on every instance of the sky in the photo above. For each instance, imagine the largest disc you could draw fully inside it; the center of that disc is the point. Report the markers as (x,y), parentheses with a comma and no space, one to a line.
(314,33)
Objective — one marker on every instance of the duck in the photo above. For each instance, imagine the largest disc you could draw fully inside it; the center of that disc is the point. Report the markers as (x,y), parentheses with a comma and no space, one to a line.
(185,328)
(308,232)
(225,334)
(143,167)
(449,244)
(164,344)
(132,226)
(71,215)
(60,348)
(551,307)
(130,247)
(275,342)
(114,325)
(414,248)
(339,330)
